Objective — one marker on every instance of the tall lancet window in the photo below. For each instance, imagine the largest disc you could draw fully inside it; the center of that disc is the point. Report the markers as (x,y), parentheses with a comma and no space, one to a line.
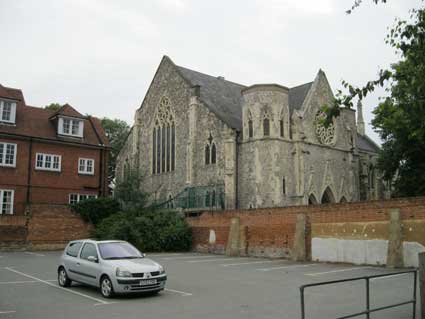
(250,126)
(164,139)
(282,124)
(266,124)
(210,151)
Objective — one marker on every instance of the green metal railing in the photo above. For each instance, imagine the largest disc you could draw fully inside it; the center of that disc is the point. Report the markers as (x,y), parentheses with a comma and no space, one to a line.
(197,197)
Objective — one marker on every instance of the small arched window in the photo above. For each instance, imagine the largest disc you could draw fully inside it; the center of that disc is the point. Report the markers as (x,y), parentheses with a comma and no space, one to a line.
(281,128)
(250,129)
(213,154)
(207,154)
(266,127)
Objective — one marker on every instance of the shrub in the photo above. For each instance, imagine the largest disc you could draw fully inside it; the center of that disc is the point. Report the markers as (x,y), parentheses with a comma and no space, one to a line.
(95,210)
(148,231)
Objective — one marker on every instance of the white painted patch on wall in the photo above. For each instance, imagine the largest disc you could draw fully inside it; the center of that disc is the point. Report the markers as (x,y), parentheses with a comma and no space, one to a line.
(212,237)
(360,252)
(410,253)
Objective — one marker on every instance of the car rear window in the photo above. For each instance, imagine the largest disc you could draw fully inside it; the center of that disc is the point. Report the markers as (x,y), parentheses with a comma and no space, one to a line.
(73,248)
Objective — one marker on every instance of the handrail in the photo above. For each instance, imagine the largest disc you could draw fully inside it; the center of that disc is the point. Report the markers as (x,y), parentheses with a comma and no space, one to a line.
(368,310)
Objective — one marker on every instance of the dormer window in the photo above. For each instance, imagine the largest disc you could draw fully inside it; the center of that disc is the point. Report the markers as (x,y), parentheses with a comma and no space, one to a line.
(70,126)
(7,111)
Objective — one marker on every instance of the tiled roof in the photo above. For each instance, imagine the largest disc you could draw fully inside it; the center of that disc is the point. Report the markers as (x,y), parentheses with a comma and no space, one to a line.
(223,97)
(37,122)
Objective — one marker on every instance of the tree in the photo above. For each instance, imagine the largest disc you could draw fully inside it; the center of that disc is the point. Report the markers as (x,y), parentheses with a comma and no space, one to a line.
(116,131)
(128,192)
(53,106)
(400,118)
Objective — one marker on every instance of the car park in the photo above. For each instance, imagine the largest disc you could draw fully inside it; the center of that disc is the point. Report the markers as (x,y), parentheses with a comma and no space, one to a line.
(114,266)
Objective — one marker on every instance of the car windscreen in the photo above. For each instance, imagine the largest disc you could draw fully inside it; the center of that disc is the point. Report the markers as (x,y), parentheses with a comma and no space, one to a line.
(118,250)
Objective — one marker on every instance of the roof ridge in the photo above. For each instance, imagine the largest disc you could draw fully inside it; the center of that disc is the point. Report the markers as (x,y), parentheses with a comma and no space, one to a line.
(212,76)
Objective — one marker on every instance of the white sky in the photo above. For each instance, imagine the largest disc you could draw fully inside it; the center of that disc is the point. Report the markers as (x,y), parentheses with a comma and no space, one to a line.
(100,55)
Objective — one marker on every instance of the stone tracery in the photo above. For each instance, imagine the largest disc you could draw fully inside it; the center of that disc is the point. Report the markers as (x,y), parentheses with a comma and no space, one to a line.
(325,135)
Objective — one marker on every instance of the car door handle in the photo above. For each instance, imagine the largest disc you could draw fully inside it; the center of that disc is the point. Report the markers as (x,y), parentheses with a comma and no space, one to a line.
(78,264)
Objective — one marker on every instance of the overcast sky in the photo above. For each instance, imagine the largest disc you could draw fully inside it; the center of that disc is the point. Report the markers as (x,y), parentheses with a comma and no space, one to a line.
(100,55)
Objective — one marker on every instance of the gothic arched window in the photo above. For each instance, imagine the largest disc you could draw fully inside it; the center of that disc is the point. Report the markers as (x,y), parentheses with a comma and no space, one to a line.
(210,152)
(213,154)
(266,127)
(281,128)
(163,139)
(282,124)
(207,154)
(250,127)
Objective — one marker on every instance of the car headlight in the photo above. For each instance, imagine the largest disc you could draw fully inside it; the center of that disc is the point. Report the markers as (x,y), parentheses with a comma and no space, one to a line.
(123,273)
(161,270)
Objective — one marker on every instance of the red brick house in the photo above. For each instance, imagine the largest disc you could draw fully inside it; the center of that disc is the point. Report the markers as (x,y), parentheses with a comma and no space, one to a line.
(48,157)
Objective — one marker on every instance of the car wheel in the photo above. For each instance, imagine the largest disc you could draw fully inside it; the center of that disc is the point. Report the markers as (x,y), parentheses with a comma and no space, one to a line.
(63,279)
(106,288)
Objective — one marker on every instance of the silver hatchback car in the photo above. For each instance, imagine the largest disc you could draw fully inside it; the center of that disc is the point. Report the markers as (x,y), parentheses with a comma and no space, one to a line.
(113,266)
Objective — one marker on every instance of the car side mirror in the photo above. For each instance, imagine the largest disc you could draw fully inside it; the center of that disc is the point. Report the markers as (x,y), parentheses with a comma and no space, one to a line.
(92,258)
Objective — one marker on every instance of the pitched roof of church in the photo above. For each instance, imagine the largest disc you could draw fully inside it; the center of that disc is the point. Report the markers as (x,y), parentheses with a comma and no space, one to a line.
(365,143)
(223,97)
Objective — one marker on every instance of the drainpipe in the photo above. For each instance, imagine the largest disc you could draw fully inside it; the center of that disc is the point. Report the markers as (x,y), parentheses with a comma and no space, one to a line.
(28,197)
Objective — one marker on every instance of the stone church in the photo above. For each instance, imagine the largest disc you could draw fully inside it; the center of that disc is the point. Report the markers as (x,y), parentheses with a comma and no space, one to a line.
(203,142)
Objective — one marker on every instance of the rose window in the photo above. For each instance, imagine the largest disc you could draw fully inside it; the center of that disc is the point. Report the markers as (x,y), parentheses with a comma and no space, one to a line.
(325,135)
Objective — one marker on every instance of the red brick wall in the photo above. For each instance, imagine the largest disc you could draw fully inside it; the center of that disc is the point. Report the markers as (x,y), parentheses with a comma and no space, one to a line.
(45,227)
(47,186)
(270,231)
(55,225)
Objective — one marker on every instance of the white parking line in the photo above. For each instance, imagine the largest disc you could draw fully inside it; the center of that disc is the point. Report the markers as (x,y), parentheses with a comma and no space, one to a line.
(286,267)
(187,257)
(208,260)
(22,282)
(251,263)
(99,301)
(35,254)
(5,312)
(179,292)
(335,271)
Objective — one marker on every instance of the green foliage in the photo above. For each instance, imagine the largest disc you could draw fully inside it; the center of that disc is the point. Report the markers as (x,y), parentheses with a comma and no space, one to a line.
(94,210)
(400,119)
(53,106)
(116,131)
(127,192)
(148,230)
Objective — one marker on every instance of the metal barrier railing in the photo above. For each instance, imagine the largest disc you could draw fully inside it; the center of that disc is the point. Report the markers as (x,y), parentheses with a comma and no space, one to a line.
(368,310)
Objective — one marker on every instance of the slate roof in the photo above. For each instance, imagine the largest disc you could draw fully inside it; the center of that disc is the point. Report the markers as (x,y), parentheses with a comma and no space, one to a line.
(364,143)
(37,122)
(223,97)
(297,95)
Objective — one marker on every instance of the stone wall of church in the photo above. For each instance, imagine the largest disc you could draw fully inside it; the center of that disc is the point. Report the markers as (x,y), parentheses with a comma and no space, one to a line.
(194,124)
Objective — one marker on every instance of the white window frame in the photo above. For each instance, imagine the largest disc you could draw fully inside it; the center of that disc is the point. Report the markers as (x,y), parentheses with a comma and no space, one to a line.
(12,112)
(3,162)
(80,197)
(11,204)
(84,170)
(72,121)
(43,167)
